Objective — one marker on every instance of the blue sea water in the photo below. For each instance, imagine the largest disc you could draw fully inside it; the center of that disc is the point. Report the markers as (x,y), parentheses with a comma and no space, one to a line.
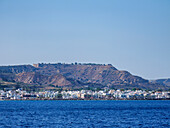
(85,114)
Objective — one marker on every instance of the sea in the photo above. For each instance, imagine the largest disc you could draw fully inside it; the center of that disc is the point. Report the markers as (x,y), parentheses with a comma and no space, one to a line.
(85,114)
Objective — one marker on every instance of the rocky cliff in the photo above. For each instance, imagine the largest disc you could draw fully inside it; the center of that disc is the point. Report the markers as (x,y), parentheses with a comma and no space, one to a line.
(39,79)
(76,75)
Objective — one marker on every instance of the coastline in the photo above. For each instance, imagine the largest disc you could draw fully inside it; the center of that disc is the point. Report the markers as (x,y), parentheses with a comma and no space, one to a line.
(82,99)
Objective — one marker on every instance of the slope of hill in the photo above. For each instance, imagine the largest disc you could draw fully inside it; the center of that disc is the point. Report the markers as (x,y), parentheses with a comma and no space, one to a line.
(101,74)
(76,75)
(163,81)
(39,79)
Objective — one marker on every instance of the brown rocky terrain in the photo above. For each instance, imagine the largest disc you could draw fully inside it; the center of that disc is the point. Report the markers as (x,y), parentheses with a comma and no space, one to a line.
(76,75)
(39,79)
(101,74)
(162,81)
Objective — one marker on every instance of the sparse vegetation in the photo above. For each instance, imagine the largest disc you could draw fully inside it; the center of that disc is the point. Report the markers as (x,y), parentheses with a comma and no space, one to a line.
(73,76)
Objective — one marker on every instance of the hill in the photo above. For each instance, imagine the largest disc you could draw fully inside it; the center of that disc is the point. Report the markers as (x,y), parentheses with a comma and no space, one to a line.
(162,81)
(76,75)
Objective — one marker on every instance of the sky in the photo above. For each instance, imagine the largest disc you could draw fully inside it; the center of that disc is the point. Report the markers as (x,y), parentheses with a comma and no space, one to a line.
(132,35)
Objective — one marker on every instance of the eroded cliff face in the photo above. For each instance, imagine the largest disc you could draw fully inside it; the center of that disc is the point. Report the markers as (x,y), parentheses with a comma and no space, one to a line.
(74,75)
(39,79)
(101,74)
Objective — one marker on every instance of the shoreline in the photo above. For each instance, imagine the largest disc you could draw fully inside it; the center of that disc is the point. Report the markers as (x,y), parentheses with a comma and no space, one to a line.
(83,99)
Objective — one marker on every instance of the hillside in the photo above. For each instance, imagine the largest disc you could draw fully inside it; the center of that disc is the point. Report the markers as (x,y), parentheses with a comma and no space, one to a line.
(162,81)
(75,75)
(101,74)
(39,79)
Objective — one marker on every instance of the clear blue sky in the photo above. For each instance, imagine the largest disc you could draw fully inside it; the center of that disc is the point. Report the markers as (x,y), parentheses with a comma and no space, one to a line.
(132,35)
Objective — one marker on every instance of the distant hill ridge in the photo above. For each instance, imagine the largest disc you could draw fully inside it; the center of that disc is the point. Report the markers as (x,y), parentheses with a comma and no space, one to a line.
(162,81)
(75,75)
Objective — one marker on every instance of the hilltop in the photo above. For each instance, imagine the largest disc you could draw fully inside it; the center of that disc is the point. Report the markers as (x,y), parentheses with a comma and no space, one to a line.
(76,76)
